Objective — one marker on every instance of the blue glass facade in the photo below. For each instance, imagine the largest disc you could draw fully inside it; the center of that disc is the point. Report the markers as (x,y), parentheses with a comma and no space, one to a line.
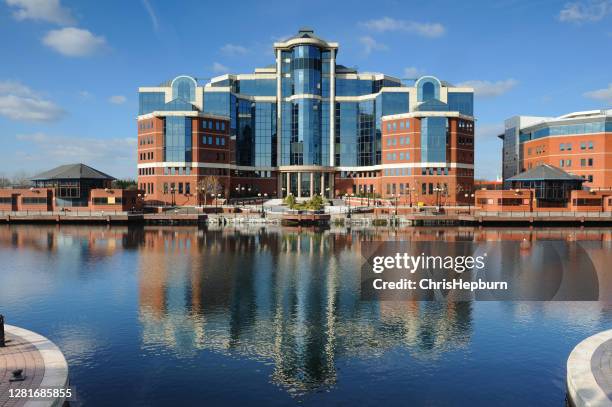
(434,133)
(150,101)
(256,87)
(316,108)
(462,102)
(217,103)
(563,130)
(265,134)
(177,139)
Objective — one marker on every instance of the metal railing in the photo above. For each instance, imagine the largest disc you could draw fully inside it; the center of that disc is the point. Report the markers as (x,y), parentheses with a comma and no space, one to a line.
(545,214)
(66,213)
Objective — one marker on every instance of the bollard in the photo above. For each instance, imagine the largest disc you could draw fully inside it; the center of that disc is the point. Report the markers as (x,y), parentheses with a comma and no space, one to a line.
(2,343)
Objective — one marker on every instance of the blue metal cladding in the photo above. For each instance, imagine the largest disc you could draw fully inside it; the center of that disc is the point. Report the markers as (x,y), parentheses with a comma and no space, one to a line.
(434,132)
(177,139)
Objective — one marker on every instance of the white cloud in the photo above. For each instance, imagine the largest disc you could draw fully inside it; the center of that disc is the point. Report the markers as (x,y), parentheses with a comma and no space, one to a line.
(430,30)
(152,14)
(43,10)
(234,50)
(74,42)
(117,99)
(113,155)
(19,102)
(604,94)
(370,44)
(487,89)
(585,11)
(412,72)
(219,68)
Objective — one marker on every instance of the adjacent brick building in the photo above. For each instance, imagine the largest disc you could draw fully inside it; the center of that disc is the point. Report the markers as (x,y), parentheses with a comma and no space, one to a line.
(579,143)
(71,187)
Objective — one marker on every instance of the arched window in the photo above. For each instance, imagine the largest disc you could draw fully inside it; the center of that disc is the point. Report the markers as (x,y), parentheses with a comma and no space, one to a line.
(429,91)
(184,87)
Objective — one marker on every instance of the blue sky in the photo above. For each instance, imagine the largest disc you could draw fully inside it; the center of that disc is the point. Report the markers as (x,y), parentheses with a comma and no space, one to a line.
(70,69)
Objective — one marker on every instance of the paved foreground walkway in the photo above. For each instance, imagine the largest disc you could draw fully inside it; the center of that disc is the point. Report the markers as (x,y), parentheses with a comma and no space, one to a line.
(43,364)
(589,372)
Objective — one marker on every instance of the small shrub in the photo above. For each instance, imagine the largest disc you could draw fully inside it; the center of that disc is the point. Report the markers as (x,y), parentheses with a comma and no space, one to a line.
(379,222)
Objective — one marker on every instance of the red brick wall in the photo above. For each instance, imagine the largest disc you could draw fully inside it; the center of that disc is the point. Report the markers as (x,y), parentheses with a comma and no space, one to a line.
(547,150)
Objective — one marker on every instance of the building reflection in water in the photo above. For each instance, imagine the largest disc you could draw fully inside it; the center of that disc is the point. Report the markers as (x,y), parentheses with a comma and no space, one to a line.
(288,298)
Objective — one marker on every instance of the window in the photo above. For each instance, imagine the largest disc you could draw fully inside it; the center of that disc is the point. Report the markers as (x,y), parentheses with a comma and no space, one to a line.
(582,162)
(28,200)
(180,188)
(583,146)
(187,188)
(165,187)
(569,147)
(561,162)
(568,163)
(590,145)
(561,147)
(590,162)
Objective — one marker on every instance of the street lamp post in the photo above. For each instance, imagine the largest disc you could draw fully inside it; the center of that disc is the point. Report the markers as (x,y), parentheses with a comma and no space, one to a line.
(437,190)
(265,195)
(172,192)
(348,215)
(469,198)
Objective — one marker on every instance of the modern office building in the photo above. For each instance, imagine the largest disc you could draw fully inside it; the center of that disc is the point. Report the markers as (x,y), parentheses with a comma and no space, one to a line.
(306,125)
(579,143)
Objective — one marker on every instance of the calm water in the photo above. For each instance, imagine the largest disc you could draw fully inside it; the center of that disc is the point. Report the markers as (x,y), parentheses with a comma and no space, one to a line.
(162,316)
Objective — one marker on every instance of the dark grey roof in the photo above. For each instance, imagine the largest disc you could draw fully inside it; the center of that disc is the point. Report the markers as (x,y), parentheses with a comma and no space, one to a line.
(72,171)
(545,172)
(305,32)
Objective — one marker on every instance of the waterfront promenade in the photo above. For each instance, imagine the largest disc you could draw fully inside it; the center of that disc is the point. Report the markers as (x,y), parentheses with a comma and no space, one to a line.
(386,216)
(42,365)
(589,372)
